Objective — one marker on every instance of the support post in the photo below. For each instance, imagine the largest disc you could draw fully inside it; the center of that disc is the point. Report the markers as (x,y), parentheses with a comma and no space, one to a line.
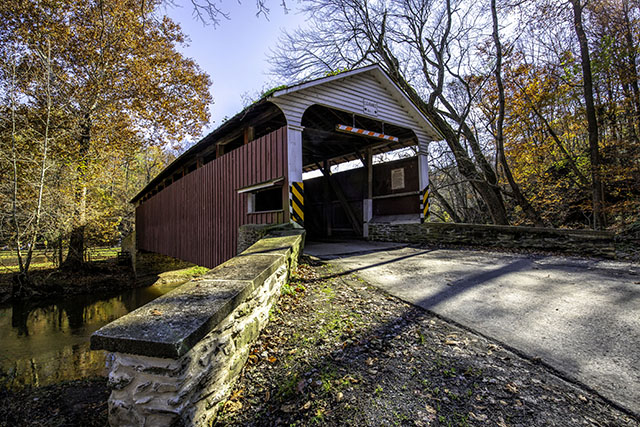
(294,174)
(326,205)
(249,134)
(367,203)
(423,178)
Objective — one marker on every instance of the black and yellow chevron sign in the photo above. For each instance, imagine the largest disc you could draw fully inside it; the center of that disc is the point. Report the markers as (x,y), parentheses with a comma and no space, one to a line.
(297,202)
(424,204)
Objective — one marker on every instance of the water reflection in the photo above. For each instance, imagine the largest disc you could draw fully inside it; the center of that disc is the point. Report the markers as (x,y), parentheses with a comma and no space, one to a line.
(48,342)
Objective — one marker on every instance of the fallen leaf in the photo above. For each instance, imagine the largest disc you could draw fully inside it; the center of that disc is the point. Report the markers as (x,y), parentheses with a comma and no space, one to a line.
(156,312)
(232,406)
(306,406)
(287,408)
(237,394)
(478,417)
(272,359)
(430,409)
(351,379)
(511,387)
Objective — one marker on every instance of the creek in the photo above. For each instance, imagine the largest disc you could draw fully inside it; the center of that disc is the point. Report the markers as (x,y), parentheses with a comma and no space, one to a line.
(48,342)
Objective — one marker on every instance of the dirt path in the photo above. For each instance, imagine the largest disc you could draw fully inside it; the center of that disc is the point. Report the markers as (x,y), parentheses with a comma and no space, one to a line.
(339,351)
(74,403)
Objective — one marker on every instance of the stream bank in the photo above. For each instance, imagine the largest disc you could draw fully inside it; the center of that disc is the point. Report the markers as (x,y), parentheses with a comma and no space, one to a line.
(46,340)
(98,278)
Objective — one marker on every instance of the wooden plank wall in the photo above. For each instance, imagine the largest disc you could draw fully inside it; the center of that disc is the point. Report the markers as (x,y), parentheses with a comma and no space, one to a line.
(196,218)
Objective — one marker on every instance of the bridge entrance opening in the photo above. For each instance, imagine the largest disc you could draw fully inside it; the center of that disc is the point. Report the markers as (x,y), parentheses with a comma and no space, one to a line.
(357,170)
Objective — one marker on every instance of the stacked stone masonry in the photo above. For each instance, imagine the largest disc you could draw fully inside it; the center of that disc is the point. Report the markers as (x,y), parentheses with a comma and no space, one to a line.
(584,242)
(158,381)
(249,234)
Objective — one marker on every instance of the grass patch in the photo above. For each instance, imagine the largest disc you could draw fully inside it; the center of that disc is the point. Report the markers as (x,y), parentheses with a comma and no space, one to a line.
(44,258)
(193,271)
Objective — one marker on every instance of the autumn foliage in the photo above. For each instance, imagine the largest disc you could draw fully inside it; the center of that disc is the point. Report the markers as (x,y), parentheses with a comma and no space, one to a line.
(102,83)
(546,130)
(514,86)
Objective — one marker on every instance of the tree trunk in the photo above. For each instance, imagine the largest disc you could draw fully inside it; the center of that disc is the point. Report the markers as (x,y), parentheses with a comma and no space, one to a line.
(490,194)
(75,256)
(43,165)
(520,199)
(633,72)
(446,206)
(599,219)
(59,254)
(14,163)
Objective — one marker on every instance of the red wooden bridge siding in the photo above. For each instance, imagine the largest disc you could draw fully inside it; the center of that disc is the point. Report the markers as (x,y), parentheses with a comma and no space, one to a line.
(196,218)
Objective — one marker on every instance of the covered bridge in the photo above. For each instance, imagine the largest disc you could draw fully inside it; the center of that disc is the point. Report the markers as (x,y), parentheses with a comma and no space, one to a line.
(250,169)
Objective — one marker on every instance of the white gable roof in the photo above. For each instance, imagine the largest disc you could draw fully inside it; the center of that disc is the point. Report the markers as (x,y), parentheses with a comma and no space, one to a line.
(351,91)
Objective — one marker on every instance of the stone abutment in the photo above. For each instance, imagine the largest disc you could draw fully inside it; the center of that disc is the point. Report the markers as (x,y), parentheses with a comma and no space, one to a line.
(174,360)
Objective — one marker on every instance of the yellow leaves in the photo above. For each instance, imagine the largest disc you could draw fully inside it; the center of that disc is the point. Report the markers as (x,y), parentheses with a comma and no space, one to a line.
(232,405)
(124,81)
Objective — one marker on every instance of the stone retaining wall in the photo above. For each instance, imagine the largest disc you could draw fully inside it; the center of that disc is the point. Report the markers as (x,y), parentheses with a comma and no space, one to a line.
(249,234)
(175,359)
(583,242)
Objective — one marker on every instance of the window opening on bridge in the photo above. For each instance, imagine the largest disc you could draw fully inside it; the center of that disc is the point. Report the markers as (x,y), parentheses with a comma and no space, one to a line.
(266,200)
(265,196)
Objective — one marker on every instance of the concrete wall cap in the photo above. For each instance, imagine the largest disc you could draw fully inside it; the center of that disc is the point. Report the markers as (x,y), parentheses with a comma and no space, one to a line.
(172,324)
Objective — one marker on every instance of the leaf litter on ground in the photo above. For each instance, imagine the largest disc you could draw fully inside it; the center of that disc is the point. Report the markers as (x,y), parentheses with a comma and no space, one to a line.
(350,354)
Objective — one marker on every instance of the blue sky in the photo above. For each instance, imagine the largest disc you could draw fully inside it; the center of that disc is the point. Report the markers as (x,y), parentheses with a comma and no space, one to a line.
(234,53)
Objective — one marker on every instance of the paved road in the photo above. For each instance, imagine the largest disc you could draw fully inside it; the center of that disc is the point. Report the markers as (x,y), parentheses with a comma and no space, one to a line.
(580,316)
